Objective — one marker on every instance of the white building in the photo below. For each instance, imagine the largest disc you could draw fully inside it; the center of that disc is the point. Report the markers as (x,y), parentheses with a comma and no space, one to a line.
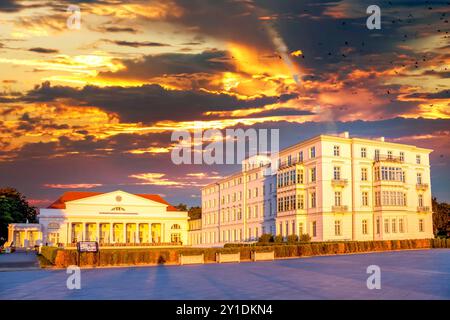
(329,187)
(114,218)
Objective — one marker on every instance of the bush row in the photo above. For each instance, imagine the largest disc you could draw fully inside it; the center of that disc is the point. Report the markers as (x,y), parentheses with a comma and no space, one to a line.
(150,256)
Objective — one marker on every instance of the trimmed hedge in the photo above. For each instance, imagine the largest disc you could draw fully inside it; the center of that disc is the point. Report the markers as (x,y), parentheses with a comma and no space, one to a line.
(62,258)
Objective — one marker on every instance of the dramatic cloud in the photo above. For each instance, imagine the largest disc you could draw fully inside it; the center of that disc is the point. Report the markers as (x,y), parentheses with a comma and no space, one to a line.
(43,50)
(137,44)
(94,108)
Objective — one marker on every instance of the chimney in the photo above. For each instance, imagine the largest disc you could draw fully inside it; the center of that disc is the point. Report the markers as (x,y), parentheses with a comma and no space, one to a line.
(344,134)
(382,139)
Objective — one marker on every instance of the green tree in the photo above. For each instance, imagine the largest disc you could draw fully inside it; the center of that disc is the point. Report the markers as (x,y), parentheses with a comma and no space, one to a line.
(441,216)
(182,207)
(14,208)
(195,213)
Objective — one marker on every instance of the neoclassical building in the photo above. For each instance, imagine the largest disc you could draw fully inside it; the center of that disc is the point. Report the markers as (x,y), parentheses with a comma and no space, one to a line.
(333,188)
(110,218)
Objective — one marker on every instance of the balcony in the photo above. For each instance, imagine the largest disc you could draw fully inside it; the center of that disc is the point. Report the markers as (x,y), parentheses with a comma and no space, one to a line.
(339,182)
(286,164)
(422,186)
(339,209)
(388,158)
(421,209)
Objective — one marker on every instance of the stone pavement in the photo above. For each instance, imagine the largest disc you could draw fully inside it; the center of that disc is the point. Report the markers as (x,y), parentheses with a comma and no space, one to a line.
(19,260)
(418,274)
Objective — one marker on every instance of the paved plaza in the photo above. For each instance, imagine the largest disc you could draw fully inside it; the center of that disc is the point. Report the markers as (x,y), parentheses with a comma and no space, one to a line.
(418,274)
(19,261)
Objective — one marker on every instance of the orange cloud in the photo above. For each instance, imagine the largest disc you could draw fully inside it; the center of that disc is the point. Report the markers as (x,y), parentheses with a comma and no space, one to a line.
(73,186)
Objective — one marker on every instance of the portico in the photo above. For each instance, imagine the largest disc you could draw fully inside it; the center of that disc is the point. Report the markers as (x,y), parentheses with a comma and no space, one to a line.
(24,235)
(116,231)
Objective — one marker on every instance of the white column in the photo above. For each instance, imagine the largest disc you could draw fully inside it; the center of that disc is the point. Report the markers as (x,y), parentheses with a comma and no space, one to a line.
(111,225)
(97,226)
(150,236)
(137,233)
(69,233)
(124,232)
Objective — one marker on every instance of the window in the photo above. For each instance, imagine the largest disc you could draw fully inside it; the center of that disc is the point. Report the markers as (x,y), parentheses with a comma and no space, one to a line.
(300,156)
(363,152)
(314,229)
(313,200)
(300,228)
(401,228)
(313,175)
(365,229)
(289,160)
(337,198)
(300,201)
(386,225)
(402,156)
(175,238)
(420,200)
(364,174)
(389,155)
(337,227)
(377,198)
(378,225)
(421,226)
(365,198)
(377,154)
(390,174)
(300,176)
(336,151)
(418,159)
(419,178)
(394,225)
(337,173)
(312,152)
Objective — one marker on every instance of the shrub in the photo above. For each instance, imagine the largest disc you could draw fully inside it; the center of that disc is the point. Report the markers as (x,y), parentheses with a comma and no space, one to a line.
(278,239)
(293,238)
(305,238)
(266,237)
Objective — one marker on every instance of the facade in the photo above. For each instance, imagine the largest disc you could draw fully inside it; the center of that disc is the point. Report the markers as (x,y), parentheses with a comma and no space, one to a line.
(333,188)
(114,218)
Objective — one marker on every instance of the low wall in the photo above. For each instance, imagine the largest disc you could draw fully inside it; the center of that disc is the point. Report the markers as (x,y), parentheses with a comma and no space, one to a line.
(197,259)
(263,256)
(152,256)
(228,257)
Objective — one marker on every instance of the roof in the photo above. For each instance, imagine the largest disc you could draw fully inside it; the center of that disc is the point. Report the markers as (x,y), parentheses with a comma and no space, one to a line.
(77,195)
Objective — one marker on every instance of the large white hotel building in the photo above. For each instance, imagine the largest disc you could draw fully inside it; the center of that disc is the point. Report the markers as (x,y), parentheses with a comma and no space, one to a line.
(330,187)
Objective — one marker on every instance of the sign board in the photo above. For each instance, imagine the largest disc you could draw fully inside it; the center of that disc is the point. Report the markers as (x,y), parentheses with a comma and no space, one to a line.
(87,246)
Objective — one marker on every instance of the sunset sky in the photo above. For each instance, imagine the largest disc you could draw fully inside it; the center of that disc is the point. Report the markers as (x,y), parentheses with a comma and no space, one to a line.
(93,109)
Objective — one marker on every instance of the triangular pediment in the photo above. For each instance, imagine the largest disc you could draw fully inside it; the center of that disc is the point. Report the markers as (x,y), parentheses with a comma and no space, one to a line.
(117,198)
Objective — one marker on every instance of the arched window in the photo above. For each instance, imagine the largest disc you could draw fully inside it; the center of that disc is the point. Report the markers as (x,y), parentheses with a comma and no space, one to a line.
(175,226)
